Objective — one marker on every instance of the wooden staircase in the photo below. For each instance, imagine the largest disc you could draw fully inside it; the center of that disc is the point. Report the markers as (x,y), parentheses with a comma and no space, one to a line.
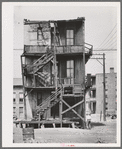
(43,78)
(40,63)
(48,103)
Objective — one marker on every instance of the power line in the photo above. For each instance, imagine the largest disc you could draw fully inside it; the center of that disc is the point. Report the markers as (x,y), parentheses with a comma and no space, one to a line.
(108,41)
(108,35)
(106,50)
(111,44)
(106,47)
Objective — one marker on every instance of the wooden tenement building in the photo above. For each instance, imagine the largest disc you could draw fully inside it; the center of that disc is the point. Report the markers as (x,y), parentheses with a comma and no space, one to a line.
(53,69)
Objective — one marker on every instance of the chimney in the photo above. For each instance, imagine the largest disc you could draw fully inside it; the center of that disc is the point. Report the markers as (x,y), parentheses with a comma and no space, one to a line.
(112,70)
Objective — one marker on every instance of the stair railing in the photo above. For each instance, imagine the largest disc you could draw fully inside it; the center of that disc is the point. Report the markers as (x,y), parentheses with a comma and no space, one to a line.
(50,98)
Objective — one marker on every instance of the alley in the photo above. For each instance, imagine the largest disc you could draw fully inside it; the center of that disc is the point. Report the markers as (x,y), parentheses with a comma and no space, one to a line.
(101,132)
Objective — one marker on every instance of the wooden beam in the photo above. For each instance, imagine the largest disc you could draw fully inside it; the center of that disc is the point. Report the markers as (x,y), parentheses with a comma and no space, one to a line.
(29,92)
(61,107)
(72,110)
(25,110)
(72,107)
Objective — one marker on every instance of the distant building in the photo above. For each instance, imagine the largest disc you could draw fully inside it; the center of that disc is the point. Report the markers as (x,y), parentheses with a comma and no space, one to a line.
(18,103)
(97,92)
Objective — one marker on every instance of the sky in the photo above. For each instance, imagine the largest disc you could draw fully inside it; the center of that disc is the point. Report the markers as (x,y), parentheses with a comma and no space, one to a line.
(100,20)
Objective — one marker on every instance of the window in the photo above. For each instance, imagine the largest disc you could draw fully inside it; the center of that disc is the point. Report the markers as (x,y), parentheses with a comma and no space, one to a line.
(14,110)
(14,100)
(70,71)
(70,37)
(93,107)
(20,98)
(20,111)
(93,93)
(21,101)
(14,97)
(93,81)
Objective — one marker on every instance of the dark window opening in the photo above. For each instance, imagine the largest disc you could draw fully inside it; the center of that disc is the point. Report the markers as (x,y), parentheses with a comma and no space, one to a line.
(14,100)
(93,94)
(20,98)
(93,81)
(70,72)
(14,97)
(93,107)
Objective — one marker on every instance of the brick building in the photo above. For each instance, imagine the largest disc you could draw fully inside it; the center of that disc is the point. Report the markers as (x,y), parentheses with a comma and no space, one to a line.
(110,93)
(18,104)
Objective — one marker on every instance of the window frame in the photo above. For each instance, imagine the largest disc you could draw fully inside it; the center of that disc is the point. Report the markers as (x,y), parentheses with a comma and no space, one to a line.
(71,69)
(70,38)
(21,112)
(21,93)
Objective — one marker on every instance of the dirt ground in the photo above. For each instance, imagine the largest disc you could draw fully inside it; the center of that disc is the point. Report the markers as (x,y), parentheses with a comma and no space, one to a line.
(101,132)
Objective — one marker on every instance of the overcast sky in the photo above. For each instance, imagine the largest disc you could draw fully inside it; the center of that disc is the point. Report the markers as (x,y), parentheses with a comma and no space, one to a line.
(100,19)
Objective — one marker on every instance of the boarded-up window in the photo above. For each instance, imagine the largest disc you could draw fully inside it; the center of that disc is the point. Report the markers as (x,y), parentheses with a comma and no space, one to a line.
(70,37)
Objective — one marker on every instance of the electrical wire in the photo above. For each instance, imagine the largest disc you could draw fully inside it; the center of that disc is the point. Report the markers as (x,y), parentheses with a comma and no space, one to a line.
(109,40)
(107,36)
(111,44)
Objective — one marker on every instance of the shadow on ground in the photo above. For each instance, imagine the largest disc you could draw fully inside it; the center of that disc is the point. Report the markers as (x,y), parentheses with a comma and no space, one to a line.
(97,124)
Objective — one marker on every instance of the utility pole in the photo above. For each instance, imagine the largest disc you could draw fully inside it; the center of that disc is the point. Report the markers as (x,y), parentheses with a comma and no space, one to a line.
(104,86)
(104,99)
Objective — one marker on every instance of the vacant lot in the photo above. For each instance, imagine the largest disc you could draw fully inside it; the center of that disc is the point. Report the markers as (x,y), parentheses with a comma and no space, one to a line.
(101,132)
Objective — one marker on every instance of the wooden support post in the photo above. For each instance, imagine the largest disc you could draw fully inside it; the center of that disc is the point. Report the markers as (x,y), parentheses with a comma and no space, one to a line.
(39,116)
(84,74)
(25,110)
(38,125)
(104,100)
(61,104)
(34,80)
